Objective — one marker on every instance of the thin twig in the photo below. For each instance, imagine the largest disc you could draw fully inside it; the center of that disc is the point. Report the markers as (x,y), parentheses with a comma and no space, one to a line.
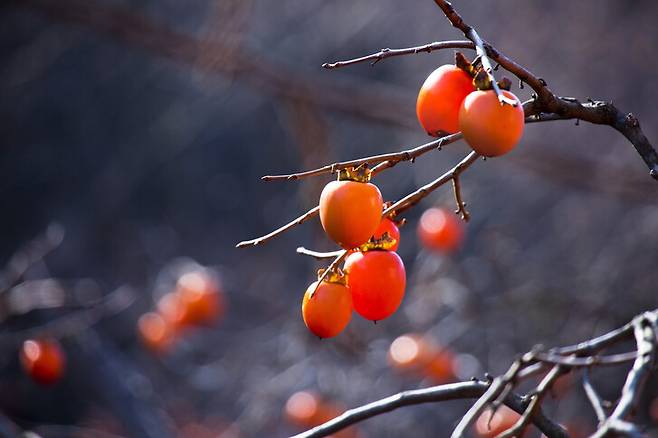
(574,362)
(391,157)
(461,205)
(593,397)
(542,389)
(318,255)
(332,267)
(413,198)
(389,53)
(301,219)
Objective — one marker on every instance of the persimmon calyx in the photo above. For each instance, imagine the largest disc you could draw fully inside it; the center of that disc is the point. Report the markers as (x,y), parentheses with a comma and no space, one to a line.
(334,276)
(360,173)
(384,243)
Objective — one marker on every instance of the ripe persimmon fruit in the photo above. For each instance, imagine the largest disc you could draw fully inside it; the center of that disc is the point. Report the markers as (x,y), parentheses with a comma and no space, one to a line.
(377,280)
(491,129)
(502,420)
(43,360)
(201,296)
(155,332)
(328,310)
(388,226)
(440,98)
(350,211)
(440,230)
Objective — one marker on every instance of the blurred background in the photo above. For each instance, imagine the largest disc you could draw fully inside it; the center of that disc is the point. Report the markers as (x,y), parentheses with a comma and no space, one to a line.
(133,138)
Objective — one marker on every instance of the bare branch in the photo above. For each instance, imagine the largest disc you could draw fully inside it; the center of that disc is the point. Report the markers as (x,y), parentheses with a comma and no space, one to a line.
(392,158)
(645,337)
(575,362)
(461,205)
(318,255)
(389,53)
(332,267)
(413,198)
(594,398)
(301,219)
(453,391)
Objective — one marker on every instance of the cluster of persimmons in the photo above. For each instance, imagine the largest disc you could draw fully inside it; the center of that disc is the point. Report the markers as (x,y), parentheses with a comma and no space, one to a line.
(196,300)
(372,281)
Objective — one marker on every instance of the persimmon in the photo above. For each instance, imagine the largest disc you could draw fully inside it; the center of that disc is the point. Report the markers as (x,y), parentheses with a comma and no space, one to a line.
(440,230)
(201,297)
(410,352)
(441,368)
(155,332)
(307,409)
(440,98)
(502,420)
(350,211)
(377,281)
(329,310)
(43,360)
(171,307)
(388,226)
(491,129)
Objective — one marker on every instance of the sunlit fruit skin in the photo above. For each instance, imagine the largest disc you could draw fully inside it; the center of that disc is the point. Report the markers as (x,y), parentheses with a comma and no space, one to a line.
(388,226)
(503,419)
(440,230)
(43,360)
(155,332)
(377,280)
(201,297)
(329,310)
(440,98)
(350,212)
(491,129)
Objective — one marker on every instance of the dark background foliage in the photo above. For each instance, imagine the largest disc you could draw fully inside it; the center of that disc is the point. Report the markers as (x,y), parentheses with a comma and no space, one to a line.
(144,156)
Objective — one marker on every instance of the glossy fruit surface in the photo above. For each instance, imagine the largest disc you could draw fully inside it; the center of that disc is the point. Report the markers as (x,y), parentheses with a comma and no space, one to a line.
(440,98)
(491,129)
(488,426)
(329,310)
(440,230)
(201,298)
(350,212)
(155,332)
(388,226)
(377,281)
(43,360)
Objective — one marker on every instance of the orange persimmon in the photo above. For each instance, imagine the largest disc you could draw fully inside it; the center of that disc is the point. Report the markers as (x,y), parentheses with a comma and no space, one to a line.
(201,297)
(377,280)
(491,129)
(503,419)
(155,332)
(440,230)
(43,360)
(329,310)
(440,98)
(350,211)
(388,226)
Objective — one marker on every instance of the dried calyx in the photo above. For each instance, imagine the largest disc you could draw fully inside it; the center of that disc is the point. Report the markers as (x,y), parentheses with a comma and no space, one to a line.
(360,173)
(384,243)
(334,276)
(481,80)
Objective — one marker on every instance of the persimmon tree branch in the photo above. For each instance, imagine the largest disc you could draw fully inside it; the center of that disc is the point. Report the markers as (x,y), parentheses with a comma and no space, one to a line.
(500,390)
(301,219)
(454,391)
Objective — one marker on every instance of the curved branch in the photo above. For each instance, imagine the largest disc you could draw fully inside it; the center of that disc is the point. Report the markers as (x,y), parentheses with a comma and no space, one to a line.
(453,391)
(301,219)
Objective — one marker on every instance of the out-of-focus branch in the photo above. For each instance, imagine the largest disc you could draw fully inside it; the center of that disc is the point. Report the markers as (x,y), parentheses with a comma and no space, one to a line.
(593,397)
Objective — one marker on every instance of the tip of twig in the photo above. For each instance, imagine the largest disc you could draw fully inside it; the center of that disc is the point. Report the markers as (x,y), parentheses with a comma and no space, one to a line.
(245,243)
(654,173)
